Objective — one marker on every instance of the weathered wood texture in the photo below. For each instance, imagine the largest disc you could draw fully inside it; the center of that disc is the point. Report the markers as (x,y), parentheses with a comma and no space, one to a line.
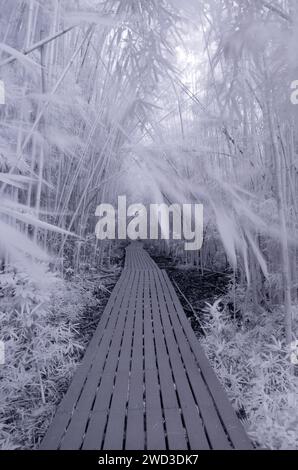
(145,382)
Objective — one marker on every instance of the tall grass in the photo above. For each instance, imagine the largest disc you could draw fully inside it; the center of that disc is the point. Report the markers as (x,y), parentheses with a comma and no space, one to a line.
(163,101)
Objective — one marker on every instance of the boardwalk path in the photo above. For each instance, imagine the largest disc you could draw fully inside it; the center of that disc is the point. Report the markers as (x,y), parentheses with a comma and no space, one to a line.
(144,382)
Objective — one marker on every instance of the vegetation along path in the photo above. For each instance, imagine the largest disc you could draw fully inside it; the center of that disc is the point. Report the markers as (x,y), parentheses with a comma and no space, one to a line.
(145,382)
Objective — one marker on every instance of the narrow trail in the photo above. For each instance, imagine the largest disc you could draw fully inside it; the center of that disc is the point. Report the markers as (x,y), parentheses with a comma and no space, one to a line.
(145,382)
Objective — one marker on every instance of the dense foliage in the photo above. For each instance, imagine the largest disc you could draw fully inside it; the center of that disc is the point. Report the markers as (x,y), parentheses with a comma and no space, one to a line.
(161,100)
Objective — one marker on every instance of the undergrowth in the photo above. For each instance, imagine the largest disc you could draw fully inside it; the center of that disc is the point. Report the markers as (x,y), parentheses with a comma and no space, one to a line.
(45,331)
(253,365)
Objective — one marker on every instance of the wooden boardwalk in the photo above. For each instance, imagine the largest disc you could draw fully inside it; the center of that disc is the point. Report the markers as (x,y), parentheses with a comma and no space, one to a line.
(144,382)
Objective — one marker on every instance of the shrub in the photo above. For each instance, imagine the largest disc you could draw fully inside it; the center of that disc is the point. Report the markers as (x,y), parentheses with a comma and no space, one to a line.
(255,370)
(42,346)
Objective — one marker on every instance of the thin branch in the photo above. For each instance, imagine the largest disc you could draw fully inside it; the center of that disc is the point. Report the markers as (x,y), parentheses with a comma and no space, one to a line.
(277,9)
(47,102)
(39,44)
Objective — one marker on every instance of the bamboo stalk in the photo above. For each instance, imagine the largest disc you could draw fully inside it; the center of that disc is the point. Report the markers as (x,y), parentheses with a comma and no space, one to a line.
(39,44)
(47,102)
(282,215)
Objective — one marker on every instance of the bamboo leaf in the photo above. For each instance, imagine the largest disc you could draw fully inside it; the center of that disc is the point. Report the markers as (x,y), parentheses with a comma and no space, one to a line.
(32,220)
(228,234)
(11,241)
(28,63)
(77,16)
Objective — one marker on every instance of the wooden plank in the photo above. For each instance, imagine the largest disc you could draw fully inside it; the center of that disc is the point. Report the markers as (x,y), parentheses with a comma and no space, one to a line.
(95,431)
(104,391)
(62,417)
(176,434)
(55,431)
(233,425)
(115,432)
(74,434)
(175,431)
(193,422)
(135,432)
(106,323)
(214,429)
(154,416)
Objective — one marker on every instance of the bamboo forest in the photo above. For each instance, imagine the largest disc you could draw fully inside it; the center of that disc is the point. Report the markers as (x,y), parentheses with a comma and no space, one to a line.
(148,224)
